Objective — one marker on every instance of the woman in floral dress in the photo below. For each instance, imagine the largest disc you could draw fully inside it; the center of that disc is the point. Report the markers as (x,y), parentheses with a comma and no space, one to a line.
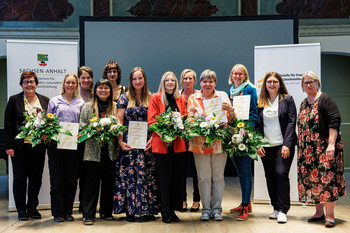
(320,151)
(135,191)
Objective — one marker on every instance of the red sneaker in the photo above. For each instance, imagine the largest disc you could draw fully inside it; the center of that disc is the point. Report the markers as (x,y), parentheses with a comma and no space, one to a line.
(239,208)
(243,215)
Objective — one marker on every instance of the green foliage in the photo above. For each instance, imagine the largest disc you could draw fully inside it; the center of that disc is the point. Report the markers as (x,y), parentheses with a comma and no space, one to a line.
(244,139)
(40,126)
(209,127)
(169,125)
(104,130)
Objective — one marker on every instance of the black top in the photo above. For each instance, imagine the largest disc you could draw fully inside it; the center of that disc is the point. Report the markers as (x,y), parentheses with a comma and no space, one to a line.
(329,115)
(14,118)
(102,107)
(171,102)
(287,114)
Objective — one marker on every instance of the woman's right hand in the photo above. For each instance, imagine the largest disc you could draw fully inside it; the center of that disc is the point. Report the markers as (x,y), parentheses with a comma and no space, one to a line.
(10,152)
(124,146)
(261,152)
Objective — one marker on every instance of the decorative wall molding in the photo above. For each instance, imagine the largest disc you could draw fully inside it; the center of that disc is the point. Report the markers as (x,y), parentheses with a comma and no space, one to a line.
(324,30)
(39,33)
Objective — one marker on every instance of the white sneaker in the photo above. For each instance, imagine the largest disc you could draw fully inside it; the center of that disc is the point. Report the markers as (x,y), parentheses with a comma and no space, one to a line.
(282,217)
(274,214)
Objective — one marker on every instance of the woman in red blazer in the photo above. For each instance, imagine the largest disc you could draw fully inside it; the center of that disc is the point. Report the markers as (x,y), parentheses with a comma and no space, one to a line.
(169,160)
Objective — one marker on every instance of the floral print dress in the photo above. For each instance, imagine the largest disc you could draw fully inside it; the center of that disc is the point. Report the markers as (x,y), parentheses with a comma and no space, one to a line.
(320,177)
(135,186)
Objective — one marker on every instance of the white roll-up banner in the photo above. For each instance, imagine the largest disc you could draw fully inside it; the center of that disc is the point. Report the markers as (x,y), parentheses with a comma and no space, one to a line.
(291,62)
(51,61)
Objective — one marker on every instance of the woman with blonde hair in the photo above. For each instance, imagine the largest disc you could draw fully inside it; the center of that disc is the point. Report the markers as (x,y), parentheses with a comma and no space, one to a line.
(169,160)
(242,86)
(188,79)
(135,188)
(64,163)
(277,121)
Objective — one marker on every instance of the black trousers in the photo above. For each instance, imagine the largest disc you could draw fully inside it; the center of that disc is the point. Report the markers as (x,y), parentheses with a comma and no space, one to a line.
(277,177)
(189,162)
(63,167)
(170,169)
(99,174)
(28,166)
(81,175)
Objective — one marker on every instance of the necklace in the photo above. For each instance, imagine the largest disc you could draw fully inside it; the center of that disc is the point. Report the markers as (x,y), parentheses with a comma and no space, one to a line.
(103,106)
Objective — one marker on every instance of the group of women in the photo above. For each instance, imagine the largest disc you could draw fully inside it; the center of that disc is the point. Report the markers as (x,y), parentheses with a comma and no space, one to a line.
(143,182)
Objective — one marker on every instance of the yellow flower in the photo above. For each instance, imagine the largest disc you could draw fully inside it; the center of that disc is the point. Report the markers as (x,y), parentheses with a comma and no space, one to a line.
(50,116)
(240,125)
(93,119)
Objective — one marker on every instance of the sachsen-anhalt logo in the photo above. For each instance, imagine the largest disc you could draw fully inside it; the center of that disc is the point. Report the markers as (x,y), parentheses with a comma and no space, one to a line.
(43,59)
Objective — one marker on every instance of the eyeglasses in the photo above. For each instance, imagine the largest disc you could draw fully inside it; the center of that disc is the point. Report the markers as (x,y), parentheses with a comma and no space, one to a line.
(27,82)
(308,83)
(272,82)
(103,88)
(237,74)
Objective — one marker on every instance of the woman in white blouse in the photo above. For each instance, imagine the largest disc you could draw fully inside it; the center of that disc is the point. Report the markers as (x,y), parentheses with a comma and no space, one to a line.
(277,121)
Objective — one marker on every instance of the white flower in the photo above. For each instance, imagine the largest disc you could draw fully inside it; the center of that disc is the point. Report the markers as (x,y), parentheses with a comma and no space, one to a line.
(242,132)
(216,125)
(113,127)
(27,124)
(237,138)
(176,115)
(181,126)
(95,124)
(105,121)
(241,147)
(250,136)
(203,125)
(38,123)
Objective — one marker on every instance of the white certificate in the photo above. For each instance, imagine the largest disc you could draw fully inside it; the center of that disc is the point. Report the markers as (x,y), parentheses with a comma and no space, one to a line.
(137,134)
(214,105)
(65,141)
(241,105)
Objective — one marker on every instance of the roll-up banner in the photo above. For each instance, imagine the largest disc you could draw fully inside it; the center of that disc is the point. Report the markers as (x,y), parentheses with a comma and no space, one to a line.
(291,62)
(51,61)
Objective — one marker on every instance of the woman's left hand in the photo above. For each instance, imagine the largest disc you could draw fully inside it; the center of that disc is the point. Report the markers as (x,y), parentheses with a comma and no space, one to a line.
(285,152)
(330,150)
(227,107)
(149,144)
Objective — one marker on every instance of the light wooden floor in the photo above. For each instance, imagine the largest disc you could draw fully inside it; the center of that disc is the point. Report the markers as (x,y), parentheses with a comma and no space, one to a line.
(258,221)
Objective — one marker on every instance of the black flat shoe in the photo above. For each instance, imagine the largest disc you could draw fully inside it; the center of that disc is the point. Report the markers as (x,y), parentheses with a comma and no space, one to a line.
(34,214)
(195,209)
(23,216)
(184,209)
(58,219)
(107,217)
(68,218)
(130,218)
(166,217)
(317,219)
(329,224)
(150,217)
(174,217)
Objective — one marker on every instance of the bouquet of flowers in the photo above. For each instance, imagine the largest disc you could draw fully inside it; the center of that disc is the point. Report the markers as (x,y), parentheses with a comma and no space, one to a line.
(102,129)
(245,140)
(208,126)
(40,126)
(169,125)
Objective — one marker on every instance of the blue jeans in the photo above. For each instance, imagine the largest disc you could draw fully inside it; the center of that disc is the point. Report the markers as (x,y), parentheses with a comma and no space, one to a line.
(243,167)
